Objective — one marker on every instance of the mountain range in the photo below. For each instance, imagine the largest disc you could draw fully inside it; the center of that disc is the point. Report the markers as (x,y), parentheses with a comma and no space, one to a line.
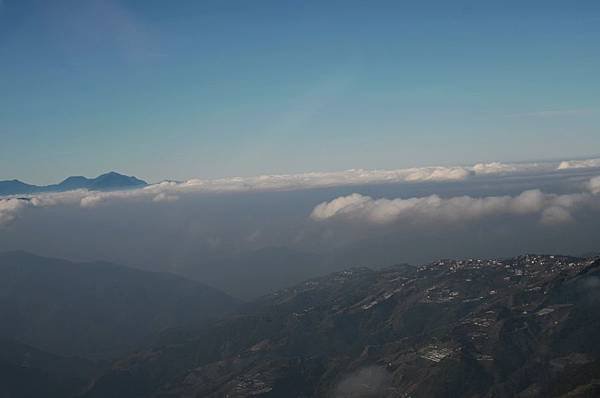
(490,328)
(519,327)
(105,182)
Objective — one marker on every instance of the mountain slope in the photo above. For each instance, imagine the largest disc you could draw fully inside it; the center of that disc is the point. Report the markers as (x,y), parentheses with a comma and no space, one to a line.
(26,372)
(522,327)
(96,309)
(105,182)
(16,187)
(112,180)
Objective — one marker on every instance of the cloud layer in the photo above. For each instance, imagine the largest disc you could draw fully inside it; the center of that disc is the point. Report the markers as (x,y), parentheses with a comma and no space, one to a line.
(9,208)
(550,208)
(594,185)
(579,164)
(382,209)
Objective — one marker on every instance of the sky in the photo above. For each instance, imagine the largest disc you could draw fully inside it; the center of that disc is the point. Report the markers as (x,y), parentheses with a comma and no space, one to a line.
(205,89)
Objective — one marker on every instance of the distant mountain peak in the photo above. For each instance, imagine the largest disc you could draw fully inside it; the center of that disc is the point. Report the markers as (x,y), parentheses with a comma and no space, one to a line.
(111,174)
(105,182)
(73,178)
(113,180)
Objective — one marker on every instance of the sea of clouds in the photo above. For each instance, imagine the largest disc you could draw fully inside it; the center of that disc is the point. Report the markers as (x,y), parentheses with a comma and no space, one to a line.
(550,207)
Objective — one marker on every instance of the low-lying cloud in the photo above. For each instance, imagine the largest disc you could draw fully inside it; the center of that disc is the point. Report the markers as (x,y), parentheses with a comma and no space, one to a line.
(9,209)
(594,185)
(371,381)
(579,164)
(551,208)
(380,210)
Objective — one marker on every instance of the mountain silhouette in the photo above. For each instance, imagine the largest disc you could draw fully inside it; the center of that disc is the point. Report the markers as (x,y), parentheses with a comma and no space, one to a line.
(105,182)
(96,310)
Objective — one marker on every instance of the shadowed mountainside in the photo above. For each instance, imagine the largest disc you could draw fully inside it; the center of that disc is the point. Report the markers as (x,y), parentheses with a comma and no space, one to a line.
(26,372)
(97,309)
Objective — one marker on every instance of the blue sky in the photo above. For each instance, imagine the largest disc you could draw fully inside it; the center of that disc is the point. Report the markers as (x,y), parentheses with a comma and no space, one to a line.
(186,89)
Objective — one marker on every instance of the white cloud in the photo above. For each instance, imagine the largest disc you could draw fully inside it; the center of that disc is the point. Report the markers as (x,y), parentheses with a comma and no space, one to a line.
(312,180)
(527,202)
(91,200)
(578,164)
(498,168)
(555,215)
(594,185)
(170,191)
(494,168)
(351,177)
(437,174)
(164,197)
(9,209)
(551,208)
(342,205)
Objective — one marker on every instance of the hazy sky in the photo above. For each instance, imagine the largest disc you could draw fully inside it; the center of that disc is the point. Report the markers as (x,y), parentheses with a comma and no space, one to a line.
(186,89)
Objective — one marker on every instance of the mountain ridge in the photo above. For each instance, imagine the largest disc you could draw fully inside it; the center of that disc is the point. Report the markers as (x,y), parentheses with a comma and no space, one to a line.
(524,327)
(518,327)
(97,309)
(104,182)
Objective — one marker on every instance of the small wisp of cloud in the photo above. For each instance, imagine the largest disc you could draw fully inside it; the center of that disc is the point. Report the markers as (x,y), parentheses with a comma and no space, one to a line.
(368,382)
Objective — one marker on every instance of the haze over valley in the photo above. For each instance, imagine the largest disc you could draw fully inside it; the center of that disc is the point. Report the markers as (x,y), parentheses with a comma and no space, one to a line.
(277,230)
